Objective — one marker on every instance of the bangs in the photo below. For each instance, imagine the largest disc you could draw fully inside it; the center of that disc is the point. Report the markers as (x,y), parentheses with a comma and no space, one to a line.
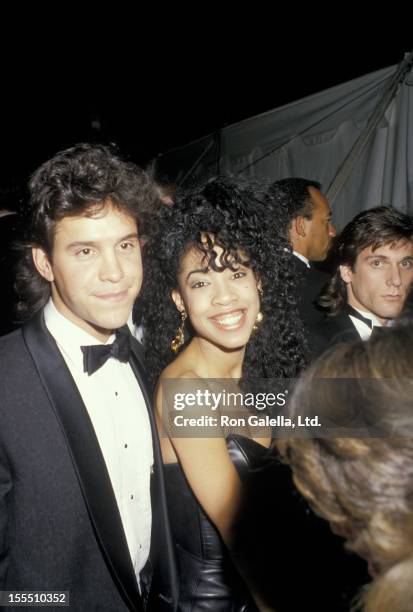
(229,256)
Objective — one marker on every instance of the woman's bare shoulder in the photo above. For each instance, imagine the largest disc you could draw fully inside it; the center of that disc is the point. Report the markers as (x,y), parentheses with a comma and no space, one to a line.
(171,380)
(178,369)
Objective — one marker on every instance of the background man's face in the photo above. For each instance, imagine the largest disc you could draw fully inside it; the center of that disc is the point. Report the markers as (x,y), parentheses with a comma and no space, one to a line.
(95,270)
(380,280)
(319,230)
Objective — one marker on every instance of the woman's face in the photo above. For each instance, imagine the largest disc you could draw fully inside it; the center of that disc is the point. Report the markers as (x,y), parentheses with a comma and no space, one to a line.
(222,306)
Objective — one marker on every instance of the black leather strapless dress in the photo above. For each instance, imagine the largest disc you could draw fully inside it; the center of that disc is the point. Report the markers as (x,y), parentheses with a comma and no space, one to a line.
(209,581)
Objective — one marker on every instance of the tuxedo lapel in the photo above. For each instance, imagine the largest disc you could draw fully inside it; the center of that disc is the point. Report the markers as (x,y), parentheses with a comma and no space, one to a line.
(299,267)
(329,331)
(346,325)
(162,544)
(308,284)
(86,455)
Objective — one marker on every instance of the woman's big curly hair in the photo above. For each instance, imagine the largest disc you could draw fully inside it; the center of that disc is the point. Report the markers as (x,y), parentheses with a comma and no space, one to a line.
(234,214)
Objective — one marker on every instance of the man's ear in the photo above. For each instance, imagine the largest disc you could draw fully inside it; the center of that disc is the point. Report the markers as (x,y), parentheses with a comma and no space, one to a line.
(299,226)
(42,263)
(346,274)
(177,298)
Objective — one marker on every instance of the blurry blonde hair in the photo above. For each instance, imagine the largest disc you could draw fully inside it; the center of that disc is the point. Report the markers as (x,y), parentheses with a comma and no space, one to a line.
(364,486)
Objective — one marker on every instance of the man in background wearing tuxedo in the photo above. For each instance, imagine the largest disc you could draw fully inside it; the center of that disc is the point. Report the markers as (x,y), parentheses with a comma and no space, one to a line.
(82,504)
(310,233)
(373,277)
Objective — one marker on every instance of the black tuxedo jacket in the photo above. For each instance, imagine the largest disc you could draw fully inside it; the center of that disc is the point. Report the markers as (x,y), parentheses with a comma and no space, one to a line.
(331,330)
(310,283)
(60,528)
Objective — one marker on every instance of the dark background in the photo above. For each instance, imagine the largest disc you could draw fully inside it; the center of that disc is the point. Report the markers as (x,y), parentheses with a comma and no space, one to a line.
(151,97)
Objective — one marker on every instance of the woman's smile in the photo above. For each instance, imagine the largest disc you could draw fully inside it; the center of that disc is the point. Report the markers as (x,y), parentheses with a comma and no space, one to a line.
(230,320)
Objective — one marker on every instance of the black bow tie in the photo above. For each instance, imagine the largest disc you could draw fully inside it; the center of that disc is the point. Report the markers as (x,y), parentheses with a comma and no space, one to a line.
(355,313)
(96,355)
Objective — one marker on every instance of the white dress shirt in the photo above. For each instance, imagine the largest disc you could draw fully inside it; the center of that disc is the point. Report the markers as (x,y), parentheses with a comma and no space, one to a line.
(118,412)
(363,329)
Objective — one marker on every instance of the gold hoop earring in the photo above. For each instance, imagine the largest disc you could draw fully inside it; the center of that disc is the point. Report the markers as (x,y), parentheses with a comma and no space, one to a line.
(258,322)
(179,339)
(260,316)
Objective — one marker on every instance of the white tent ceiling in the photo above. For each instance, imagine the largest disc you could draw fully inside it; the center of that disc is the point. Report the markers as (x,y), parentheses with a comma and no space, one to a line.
(367,121)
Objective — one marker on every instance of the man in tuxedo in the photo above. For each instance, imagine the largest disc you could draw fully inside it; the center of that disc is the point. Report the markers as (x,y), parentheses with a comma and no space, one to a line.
(82,504)
(372,280)
(8,235)
(310,232)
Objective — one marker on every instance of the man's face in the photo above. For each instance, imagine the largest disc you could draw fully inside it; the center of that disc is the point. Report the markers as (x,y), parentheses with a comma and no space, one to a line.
(319,230)
(380,280)
(95,270)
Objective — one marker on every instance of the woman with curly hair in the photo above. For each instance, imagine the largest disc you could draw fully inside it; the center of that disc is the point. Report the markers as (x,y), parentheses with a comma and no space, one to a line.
(363,485)
(217,274)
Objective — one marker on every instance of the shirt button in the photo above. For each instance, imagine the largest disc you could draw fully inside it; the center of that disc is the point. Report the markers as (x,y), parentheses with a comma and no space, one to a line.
(131,496)
(126,446)
(116,393)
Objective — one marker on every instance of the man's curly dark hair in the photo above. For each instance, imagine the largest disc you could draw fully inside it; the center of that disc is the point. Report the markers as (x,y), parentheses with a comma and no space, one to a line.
(78,181)
(234,214)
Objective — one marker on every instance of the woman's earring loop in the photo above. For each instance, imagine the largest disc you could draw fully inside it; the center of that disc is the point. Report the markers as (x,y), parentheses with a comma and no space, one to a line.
(179,339)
